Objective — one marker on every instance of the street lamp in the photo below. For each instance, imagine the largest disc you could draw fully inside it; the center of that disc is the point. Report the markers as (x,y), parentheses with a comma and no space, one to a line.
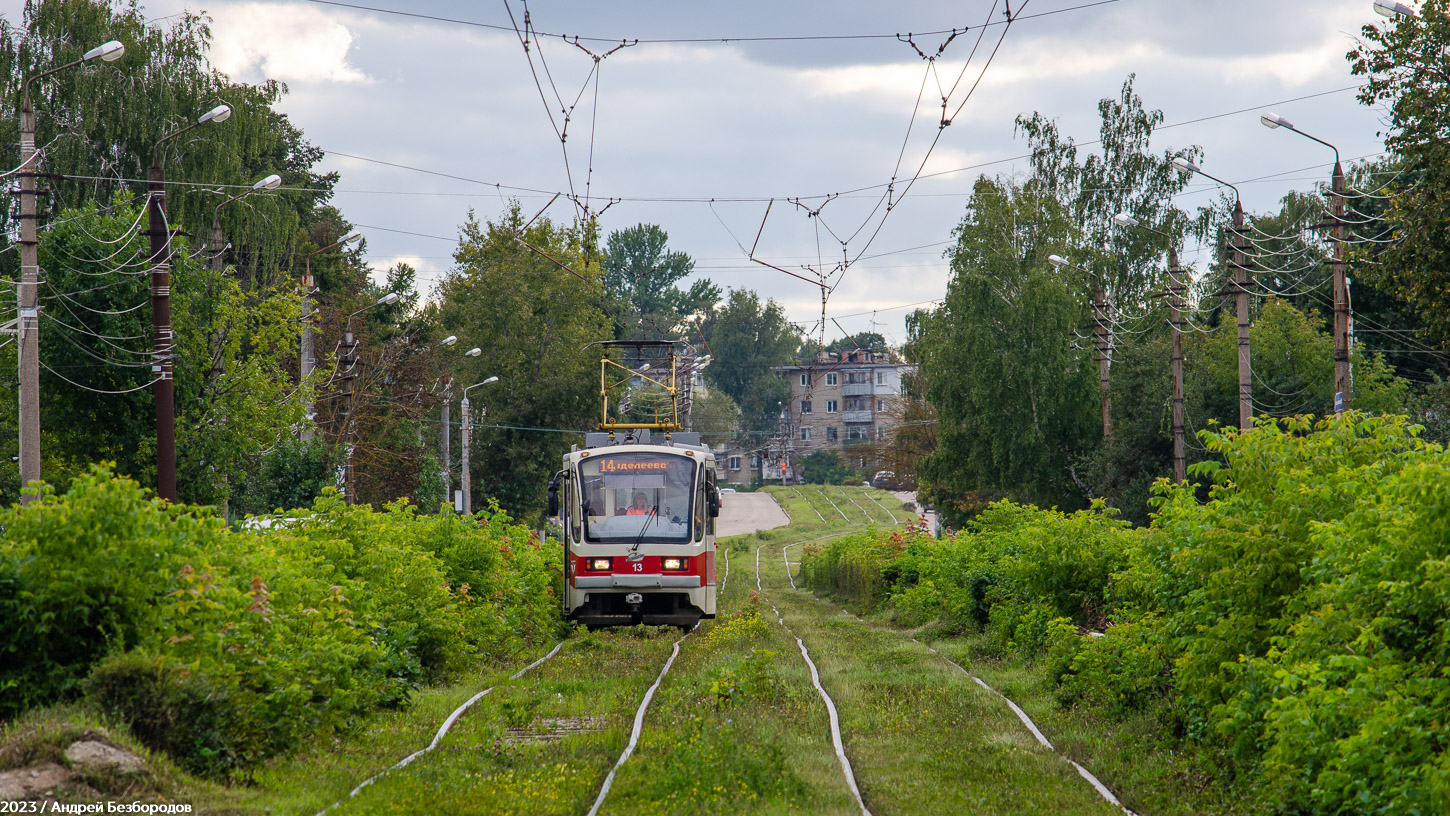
(348,362)
(1241,287)
(1343,384)
(28,321)
(465,477)
(308,360)
(1388,8)
(1103,338)
(161,308)
(218,240)
(445,452)
(1175,301)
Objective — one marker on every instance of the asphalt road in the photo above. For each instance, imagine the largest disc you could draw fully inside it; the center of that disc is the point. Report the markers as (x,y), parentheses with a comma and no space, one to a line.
(742,513)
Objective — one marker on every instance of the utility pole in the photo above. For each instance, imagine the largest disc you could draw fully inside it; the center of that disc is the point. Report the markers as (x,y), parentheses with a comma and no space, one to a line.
(308,361)
(1343,386)
(445,455)
(1241,306)
(1175,300)
(28,322)
(162,343)
(464,477)
(1105,354)
(348,361)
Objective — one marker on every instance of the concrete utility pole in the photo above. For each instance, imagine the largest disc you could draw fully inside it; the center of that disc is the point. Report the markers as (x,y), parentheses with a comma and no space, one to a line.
(444,454)
(1241,307)
(1175,300)
(1241,294)
(466,478)
(163,341)
(1343,386)
(347,360)
(1103,342)
(27,322)
(1102,339)
(308,361)
(1343,382)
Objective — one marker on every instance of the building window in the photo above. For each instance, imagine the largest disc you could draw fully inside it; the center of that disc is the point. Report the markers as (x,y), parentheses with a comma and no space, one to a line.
(880,405)
(806,434)
(754,462)
(735,463)
(805,406)
(830,406)
(853,433)
(881,378)
(880,432)
(830,379)
(805,381)
(831,433)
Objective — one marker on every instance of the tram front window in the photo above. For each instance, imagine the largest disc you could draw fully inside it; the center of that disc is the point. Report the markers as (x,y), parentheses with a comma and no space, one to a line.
(645,497)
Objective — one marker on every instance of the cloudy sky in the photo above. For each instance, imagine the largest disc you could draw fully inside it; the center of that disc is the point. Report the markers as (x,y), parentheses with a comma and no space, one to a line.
(677,124)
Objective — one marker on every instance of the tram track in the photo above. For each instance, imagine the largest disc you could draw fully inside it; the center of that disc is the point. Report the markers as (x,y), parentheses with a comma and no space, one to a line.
(639,715)
(442,731)
(834,716)
(1099,791)
(823,495)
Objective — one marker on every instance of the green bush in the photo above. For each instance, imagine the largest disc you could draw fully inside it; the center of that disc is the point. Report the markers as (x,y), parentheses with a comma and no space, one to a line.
(224,647)
(1295,626)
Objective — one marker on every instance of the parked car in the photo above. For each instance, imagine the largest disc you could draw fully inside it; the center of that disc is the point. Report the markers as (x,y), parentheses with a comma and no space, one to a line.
(884,479)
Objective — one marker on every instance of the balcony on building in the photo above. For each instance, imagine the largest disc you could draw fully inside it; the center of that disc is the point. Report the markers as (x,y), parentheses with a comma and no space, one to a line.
(858,416)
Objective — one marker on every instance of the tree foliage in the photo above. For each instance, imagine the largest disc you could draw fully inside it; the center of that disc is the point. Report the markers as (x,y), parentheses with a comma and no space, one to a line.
(1013,395)
(535,322)
(1405,68)
(748,338)
(640,274)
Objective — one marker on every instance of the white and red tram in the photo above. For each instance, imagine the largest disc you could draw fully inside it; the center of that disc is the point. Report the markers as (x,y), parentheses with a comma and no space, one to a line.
(639,530)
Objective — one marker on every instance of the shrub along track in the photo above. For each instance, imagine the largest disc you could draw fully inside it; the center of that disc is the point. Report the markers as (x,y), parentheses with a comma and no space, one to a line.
(919,740)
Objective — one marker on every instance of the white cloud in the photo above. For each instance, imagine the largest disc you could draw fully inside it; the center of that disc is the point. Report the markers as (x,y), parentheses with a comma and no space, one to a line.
(282,41)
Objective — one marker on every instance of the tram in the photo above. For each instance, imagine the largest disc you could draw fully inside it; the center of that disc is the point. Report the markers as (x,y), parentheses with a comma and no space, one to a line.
(638,505)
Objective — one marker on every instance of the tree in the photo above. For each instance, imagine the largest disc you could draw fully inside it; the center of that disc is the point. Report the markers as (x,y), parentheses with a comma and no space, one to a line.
(1014,395)
(715,415)
(535,322)
(1405,67)
(824,468)
(98,125)
(749,338)
(235,397)
(640,275)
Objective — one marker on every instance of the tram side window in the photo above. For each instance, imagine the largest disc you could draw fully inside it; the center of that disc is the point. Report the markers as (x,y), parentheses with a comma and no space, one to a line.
(571,507)
(710,491)
(700,510)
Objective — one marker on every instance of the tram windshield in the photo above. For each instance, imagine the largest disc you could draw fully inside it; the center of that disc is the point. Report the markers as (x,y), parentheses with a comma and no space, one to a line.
(629,497)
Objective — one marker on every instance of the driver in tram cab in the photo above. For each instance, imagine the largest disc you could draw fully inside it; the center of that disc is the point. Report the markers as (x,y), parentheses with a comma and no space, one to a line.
(641,505)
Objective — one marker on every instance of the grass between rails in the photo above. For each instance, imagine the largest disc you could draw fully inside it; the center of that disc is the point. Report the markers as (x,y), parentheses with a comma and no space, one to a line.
(538,745)
(736,727)
(922,737)
(307,782)
(1129,756)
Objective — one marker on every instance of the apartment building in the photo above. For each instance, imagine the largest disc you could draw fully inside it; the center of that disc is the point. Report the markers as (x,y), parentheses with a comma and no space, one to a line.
(845,403)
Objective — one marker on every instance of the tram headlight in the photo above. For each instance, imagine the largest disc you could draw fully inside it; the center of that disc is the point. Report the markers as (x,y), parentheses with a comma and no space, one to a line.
(599,564)
(676,564)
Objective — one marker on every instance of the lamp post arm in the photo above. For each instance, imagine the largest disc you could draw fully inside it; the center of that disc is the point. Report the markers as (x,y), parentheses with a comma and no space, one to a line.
(25,86)
(1237,196)
(156,150)
(1317,139)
